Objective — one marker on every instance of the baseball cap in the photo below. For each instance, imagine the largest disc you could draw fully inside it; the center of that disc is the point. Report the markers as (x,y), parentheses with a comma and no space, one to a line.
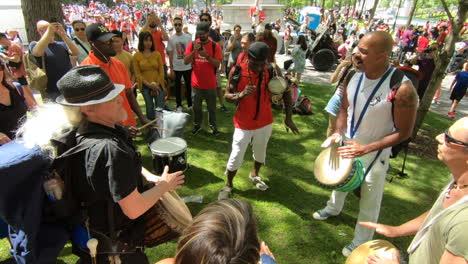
(203,28)
(99,32)
(258,51)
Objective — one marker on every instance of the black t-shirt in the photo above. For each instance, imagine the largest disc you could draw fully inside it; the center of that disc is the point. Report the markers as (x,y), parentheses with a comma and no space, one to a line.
(11,115)
(110,170)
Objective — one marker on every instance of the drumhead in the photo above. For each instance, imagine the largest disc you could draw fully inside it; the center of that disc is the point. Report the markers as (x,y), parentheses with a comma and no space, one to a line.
(168,147)
(277,85)
(332,172)
(379,247)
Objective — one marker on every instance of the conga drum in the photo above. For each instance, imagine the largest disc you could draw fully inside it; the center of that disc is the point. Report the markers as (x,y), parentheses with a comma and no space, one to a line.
(166,220)
(335,172)
(171,151)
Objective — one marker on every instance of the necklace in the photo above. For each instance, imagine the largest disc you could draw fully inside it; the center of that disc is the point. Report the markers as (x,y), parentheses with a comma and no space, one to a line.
(455,186)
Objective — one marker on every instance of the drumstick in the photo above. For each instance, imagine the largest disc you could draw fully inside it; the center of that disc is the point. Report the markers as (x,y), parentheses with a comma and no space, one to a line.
(147,124)
(92,246)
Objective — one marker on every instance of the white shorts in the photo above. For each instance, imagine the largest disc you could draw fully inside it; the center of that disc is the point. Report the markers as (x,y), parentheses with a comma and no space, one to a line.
(241,139)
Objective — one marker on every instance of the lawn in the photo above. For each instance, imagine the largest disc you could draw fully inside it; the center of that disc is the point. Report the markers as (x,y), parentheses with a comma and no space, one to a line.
(284,212)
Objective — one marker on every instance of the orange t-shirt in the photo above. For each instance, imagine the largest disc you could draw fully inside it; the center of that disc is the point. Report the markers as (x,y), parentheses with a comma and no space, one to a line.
(119,75)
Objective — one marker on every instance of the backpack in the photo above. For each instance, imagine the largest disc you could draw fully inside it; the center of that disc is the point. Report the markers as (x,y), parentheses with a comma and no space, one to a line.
(303,106)
(35,74)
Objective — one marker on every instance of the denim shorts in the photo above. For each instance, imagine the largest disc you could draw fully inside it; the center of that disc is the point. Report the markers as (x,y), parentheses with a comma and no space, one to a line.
(334,104)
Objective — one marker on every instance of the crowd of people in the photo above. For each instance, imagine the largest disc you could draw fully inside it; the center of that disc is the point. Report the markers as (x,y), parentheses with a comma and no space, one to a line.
(106,56)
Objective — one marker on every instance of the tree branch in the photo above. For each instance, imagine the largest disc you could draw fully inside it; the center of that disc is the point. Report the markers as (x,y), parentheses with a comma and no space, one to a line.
(444,4)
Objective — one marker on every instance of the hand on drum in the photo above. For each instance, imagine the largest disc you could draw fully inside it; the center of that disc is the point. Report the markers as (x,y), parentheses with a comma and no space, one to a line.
(249,89)
(385,230)
(173,180)
(334,138)
(352,150)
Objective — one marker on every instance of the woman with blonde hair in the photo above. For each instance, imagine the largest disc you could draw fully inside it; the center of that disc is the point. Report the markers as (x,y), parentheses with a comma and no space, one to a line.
(223,232)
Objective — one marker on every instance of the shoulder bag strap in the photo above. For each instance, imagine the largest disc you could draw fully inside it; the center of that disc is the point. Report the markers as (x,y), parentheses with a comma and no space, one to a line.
(81,45)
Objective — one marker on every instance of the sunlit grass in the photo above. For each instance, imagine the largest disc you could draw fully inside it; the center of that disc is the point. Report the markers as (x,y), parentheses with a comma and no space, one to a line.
(284,212)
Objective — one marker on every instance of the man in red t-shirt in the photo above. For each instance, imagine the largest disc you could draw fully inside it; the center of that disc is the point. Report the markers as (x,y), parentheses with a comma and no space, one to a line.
(205,58)
(253,118)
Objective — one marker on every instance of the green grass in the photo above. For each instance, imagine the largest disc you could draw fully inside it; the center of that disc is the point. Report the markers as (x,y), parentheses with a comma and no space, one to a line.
(284,212)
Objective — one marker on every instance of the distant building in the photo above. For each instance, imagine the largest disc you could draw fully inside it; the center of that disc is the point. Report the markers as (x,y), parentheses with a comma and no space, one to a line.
(11,17)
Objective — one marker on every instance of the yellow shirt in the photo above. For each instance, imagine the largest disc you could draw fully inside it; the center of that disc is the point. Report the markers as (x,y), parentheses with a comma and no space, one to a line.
(149,68)
(127,58)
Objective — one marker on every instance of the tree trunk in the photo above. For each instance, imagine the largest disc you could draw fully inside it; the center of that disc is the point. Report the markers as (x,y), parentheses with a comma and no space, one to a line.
(362,8)
(372,12)
(411,14)
(323,4)
(354,8)
(396,16)
(442,62)
(35,10)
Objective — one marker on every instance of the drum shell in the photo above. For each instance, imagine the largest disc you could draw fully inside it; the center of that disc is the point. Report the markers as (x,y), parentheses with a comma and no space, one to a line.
(175,163)
(170,151)
(277,85)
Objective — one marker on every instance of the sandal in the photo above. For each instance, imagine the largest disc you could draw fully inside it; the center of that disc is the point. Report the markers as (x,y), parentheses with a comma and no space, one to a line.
(225,193)
(257,181)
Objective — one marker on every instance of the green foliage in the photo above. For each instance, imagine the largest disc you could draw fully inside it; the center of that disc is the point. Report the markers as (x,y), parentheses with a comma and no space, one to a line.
(284,212)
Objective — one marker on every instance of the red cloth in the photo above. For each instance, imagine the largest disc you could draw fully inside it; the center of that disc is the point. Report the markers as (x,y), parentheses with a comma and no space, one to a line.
(119,75)
(159,44)
(203,72)
(245,113)
(423,43)
(242,58)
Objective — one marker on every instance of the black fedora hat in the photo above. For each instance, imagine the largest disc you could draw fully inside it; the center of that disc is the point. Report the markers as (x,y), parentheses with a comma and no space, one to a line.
(86,85)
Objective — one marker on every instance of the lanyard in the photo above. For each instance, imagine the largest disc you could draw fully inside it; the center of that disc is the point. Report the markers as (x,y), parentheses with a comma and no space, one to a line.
(354,127)
(421,235)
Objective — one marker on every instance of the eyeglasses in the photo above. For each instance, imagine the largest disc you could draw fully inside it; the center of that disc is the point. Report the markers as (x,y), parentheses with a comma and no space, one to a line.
(448,139)
(177,25)
(204,20)
(79,29)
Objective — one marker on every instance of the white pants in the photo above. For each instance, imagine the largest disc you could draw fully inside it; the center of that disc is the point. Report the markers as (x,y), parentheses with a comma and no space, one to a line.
(371,196)
(241,139)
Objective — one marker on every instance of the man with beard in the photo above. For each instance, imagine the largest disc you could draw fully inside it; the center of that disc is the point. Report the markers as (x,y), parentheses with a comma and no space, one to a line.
(216,37)
(372,118)
(205,56)
(270,40)
(101,54)
(175,50)
(253,118)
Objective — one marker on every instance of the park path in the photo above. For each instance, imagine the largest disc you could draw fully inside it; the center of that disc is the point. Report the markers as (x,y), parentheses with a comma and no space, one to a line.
(323,78)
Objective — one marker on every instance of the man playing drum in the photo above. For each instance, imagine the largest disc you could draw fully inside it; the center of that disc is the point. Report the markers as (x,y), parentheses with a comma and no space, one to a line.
(253,118)
(109,172)
(373,117)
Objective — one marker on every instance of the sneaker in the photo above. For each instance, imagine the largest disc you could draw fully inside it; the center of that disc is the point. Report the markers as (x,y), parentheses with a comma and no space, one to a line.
(225,193)
(348,249)
(434,102)
(451,114)
(257,181)
(223,108)
(215,131)
(321,214)
(179,109)
(196,130)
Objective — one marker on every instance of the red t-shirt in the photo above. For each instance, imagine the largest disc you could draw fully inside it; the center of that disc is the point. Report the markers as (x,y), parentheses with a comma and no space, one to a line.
(242,58)
(118,75)
(245,113)
(423,42)
(203,72)
(159,44)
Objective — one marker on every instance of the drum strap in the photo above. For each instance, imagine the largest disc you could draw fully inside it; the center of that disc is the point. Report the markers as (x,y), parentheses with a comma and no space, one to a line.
(355,126)
(368,169)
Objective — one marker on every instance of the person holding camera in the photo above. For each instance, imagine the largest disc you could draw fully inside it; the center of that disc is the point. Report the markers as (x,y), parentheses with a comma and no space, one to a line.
(205,56)
(56,54)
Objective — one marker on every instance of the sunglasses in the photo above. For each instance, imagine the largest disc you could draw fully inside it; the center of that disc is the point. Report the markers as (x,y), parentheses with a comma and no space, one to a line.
(177,25)
(204,20)
(448,139)
(79,29)
(107,42)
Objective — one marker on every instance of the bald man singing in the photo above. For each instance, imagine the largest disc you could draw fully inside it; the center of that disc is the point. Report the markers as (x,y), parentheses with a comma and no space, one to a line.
(373,117)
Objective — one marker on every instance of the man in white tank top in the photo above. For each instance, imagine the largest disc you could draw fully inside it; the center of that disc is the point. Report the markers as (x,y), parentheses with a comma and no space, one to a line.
(368,127)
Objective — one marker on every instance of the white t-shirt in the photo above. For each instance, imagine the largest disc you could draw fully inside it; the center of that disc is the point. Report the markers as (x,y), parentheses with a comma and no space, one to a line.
(178,44)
